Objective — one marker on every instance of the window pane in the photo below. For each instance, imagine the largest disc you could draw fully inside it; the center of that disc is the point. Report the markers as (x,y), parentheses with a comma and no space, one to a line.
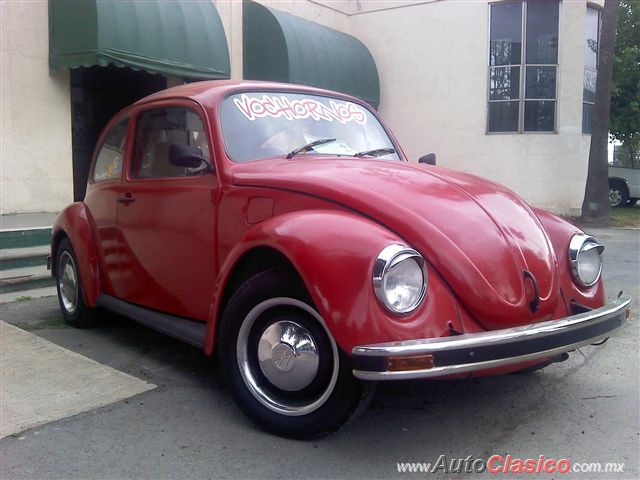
(158,130)
(591,43)
(260,124)
(506,34)
(503,116)
(109,161)
(587,117)
(622,157)
(539,116)
(542,32)
(541,82)
(589,86)
(504,83)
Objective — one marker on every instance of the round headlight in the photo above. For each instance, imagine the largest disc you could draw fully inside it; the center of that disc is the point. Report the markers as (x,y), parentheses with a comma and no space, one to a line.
(585,257)
(400,278)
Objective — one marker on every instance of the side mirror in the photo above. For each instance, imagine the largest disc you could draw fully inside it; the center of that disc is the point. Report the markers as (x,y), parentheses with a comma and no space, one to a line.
(429,158)
(188,156)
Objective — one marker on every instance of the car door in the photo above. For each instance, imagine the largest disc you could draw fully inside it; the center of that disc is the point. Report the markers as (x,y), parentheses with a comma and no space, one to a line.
(166,216)
(105,178)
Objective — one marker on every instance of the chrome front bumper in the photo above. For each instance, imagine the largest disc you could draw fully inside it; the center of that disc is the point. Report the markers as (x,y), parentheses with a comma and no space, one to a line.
(486,350)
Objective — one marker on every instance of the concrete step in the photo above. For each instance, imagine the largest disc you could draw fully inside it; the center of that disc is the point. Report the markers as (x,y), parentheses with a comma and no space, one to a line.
(25,278)
(23,257)
(19,221)
(12,274)
(28,294)
(24,237)
(24,246)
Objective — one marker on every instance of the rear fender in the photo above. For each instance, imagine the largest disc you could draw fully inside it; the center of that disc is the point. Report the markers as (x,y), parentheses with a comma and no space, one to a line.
(74,222)
(333,252)
(624,181)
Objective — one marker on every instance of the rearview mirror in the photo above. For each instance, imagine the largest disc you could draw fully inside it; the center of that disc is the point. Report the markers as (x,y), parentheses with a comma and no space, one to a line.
(188,156)
(429,158)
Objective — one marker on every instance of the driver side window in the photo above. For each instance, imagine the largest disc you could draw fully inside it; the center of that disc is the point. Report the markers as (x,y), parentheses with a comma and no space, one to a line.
(157,131)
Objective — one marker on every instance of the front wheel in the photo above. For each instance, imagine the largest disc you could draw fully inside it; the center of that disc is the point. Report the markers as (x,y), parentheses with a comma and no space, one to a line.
(282,364)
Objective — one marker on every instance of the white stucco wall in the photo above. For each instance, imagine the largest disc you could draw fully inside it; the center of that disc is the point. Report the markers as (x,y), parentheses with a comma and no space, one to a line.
(231,15)
(322,13)
(35,129)
(432,59)
(230,12)
(431,56)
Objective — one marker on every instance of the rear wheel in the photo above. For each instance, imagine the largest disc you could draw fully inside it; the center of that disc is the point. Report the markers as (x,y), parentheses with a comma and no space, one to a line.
(282,364)
(618,195)
(69,286)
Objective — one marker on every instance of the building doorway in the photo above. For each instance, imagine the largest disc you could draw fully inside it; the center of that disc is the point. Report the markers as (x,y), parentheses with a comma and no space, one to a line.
(97,93)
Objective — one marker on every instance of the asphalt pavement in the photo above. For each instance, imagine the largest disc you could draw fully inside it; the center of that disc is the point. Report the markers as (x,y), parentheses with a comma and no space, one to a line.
(586,409)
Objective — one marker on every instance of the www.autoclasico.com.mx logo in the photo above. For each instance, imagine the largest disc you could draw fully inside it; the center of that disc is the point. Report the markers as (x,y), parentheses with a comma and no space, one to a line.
(504,464)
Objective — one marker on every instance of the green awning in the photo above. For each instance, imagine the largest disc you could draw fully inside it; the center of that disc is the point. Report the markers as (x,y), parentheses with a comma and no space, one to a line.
(281,47)
(182,38)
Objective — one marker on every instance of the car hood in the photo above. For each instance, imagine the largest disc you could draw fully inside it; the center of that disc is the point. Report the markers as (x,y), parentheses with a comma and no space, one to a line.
(482,238)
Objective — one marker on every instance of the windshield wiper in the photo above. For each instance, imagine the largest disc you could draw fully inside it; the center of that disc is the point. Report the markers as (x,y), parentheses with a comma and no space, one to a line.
(309,146)
(376,152)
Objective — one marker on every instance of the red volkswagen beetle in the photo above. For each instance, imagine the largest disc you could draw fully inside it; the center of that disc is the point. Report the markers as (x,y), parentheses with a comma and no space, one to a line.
(282,228)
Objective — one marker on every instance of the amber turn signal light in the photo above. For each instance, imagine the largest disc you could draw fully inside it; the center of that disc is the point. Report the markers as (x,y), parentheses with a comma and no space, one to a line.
(412,362)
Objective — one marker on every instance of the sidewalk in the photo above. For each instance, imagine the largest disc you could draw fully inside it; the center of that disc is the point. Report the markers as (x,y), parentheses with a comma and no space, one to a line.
(42,382)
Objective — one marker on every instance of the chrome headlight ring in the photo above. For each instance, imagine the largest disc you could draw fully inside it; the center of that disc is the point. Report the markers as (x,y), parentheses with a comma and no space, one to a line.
(390,257)
(585,246)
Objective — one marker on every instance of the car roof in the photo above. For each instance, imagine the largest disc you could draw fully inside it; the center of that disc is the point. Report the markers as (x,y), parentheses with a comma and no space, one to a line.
(208,93)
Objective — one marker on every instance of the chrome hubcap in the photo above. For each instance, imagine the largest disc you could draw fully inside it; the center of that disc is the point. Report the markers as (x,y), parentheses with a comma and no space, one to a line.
(288,359)
(288,355)
(614,196)
(68,282)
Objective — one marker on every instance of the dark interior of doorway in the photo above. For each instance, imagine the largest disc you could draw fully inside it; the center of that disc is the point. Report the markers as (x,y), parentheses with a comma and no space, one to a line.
(97,93)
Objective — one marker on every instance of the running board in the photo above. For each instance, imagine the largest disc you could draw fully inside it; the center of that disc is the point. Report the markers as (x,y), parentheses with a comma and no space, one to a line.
(189,331)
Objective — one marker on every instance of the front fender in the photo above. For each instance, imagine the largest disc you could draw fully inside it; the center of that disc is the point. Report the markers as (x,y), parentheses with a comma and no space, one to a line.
(333,252)
(75,222)
(560,232)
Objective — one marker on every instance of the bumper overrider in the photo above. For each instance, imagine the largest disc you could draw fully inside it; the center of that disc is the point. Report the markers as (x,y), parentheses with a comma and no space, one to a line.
(437,357)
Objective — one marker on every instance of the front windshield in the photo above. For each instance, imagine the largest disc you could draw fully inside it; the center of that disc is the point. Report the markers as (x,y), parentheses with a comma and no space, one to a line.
(259,125)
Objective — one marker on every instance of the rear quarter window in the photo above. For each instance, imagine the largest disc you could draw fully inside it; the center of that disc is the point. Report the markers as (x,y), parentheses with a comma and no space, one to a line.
(111,154)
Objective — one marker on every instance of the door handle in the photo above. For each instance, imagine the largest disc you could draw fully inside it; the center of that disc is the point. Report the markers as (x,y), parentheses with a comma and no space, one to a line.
(127,198)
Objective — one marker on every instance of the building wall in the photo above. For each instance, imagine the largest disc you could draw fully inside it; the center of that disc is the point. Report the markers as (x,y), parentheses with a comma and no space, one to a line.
(321,12)
(231,15)
(432,59)
(35,129)
(230,12)
(431,56)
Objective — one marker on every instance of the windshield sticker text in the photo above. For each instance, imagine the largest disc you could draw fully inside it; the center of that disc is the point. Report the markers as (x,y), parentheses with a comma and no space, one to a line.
(277,107)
